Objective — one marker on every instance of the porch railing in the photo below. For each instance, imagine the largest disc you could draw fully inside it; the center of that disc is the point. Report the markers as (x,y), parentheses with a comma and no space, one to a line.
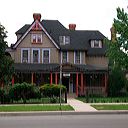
(95,90)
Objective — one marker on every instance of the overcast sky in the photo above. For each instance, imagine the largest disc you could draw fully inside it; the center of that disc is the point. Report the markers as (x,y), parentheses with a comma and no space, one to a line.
(86,14)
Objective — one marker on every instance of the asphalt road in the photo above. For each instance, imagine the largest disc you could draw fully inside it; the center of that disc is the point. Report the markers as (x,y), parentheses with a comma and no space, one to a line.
(65,121)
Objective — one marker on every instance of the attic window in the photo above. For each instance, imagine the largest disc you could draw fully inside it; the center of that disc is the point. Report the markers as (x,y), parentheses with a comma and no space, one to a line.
(64,40)
(36,38)
(96,44)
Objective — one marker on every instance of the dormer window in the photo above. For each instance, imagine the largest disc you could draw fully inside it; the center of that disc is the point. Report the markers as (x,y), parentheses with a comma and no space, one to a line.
(96,44)
(36,38)
(64,40)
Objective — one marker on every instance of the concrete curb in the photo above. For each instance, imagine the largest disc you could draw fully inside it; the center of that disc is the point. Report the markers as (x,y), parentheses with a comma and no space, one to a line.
(57,113)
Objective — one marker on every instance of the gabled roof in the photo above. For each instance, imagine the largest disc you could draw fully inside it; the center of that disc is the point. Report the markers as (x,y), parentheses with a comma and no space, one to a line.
(79,39)
(23,29)
(27,28)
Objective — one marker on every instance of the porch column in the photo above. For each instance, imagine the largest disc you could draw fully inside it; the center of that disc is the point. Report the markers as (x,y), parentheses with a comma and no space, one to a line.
(76,84)
(50,78)
(106,83)
(32,78)
(56,79)
(84,84)
(13,80)
(82,87)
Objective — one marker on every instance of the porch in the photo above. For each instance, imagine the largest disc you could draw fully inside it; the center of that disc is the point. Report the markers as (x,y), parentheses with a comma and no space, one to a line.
(76,79)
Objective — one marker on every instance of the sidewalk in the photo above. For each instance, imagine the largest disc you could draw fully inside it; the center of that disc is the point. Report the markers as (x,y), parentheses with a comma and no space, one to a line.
(79,106)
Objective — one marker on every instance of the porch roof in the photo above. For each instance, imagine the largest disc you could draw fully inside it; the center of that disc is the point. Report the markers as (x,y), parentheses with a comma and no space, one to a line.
(25,67)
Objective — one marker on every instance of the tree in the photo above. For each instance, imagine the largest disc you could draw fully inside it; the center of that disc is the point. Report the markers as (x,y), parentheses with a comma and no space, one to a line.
(117,81)
(118,53)
(6,63)
(118,46)
(3,43)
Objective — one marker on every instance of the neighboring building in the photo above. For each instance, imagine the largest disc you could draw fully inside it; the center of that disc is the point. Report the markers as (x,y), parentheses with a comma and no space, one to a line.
(45,48)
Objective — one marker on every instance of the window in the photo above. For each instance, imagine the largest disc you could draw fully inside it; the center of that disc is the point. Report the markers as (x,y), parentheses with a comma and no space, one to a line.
(35,56)
(64,57)
(46,56)
(96,43)
(36,38)
(64,40)
(77,57)
(25,55)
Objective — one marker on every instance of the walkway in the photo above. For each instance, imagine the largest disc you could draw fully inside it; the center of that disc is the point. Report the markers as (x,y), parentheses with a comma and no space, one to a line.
(79,106)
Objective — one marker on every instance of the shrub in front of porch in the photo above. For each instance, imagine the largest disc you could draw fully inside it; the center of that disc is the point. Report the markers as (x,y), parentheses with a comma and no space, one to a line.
(23,91)
(52,91)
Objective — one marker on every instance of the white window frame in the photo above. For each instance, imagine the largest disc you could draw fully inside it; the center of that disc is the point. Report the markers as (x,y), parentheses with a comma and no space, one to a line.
(38,49)
(64,41)
(28,49)
(36,35)
(44,49)
(93,44)
(75,57)
(62,57)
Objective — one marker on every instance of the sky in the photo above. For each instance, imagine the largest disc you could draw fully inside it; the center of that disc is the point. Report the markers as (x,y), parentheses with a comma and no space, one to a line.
(86,14)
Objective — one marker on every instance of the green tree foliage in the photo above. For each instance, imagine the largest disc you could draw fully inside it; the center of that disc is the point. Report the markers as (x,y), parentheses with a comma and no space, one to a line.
(3,43)
(117,81)
(118,53)
(118,48)
(6,63)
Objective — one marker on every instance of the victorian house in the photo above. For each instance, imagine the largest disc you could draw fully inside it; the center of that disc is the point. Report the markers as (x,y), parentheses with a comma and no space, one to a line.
(47,52)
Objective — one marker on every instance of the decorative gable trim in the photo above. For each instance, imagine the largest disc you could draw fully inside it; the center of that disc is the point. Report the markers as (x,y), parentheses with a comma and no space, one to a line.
(33,27)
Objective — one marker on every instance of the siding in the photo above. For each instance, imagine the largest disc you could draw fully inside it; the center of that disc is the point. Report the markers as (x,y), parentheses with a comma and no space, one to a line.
(98,61)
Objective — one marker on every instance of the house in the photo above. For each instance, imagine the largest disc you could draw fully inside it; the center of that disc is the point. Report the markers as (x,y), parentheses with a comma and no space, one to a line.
(47,52)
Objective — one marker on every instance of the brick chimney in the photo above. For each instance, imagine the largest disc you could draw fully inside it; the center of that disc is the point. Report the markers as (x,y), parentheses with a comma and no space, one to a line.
(113,33)
(72,26)
(36,16)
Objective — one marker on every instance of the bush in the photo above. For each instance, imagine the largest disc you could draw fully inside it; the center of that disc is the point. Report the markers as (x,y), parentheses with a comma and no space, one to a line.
(4,97)
(23,91)
(1,95)
(53,90)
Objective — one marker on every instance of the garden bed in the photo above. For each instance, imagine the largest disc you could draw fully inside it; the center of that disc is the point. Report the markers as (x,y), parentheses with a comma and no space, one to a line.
(103,99)
(111,107)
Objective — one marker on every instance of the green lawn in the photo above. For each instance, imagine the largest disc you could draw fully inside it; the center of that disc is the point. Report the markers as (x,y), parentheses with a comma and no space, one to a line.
(111,107)
(15,108)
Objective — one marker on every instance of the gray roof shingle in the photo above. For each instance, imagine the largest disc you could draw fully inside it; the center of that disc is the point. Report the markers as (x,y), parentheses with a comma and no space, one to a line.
(79,39)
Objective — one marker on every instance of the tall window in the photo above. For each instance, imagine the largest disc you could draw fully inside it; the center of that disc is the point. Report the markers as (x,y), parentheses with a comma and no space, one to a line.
(77,57)
(46,56)
(64,40)
(36,38)
(25,54)
(64,57)
(96,43)
(35,56)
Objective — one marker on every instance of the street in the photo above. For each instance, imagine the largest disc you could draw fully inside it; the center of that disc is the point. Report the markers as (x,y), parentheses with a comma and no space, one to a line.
(65,121)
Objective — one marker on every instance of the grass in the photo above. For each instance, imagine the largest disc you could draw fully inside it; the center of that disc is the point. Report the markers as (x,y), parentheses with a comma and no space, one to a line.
(17,108)
(111,107)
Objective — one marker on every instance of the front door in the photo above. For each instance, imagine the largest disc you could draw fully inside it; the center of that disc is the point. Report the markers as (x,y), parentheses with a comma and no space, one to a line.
(65,82)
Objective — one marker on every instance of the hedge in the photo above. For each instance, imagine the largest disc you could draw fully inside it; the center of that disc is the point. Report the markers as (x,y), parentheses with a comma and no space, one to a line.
(52,90)
(23,91)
